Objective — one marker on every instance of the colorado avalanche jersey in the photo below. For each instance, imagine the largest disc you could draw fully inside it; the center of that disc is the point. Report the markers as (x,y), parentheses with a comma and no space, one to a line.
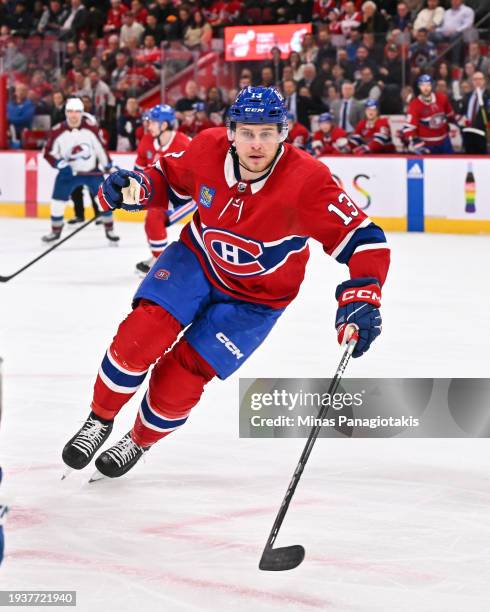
(428,119)
(251,237)
(149,148)
(375,135)
(81,147)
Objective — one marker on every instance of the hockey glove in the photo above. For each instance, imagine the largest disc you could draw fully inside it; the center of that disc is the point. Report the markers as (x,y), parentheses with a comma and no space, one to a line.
(359,300)
(124,189)
(65,169)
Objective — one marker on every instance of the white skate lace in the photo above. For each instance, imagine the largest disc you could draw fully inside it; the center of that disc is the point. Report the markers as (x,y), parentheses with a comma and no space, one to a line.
(90,437)
(124,451)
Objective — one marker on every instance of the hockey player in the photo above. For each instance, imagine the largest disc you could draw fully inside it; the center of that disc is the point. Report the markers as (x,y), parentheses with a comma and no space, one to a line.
(230,276)
(372,134)
(426,129)
(298,135)
(75,150)
(329,139)
(195,120)
(161,139)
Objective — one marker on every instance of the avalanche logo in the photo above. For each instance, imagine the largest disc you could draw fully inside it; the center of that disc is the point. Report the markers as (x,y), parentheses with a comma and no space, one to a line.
(206,196)
(242,256)
(81,151)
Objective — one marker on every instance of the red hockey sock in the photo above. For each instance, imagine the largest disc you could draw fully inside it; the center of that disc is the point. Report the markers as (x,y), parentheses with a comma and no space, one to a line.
(141,339)
(155,230)
(176,385)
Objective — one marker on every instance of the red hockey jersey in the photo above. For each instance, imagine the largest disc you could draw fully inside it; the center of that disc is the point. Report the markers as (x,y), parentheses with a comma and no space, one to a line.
(251,237)
(428,121)
(149,148)
(374,136)
(298,136)
(333,143)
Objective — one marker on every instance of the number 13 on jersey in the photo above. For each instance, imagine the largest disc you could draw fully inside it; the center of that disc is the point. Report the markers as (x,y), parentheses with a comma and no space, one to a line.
(344,199)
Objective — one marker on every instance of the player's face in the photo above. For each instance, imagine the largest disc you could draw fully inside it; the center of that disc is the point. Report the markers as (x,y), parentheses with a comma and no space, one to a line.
(326,126)
(74,118)
(371,114)
(154,127)
(256,145)
(425,89)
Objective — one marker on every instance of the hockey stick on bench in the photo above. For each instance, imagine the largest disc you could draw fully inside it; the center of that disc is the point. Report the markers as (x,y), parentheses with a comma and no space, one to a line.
(4,279)
(289,557)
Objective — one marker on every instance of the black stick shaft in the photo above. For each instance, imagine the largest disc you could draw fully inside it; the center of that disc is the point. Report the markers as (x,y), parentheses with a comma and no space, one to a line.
(308,448)
(4,279)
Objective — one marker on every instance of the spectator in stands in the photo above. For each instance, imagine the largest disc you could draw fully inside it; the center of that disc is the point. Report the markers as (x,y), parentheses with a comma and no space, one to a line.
(101,96)
(366,87)
(443,71)
(362,61)
(347,110)
(458,21)
(312,81)
(81,85)
(309,49)
(296,104)
(52,18)
(338,75)
(164,11)
(476,110)
(127,125)
(480,62)
(139,11)
(390,74)
(277,64)
(429,18)
(421,53)
(121,70)
(154,28)
(373,21)
(198,33)
(188,100)
(353,44)
(58,108)
(20,22)
(245,78)
(325,48)
(109,54)
(84,51)
(375,49)
(114,19)
(14,60)
(294,60)
(350,19)
(75,22)
(130,29)
(266,76)
(214,101)
(401,24)
(20,110)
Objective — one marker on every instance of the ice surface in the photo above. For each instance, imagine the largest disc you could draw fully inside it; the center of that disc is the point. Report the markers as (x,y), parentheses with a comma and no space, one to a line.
(388,525)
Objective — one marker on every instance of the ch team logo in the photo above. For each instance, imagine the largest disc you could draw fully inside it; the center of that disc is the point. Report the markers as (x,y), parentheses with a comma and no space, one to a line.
(242,256)
(80,151)
(162,274)
(206,196)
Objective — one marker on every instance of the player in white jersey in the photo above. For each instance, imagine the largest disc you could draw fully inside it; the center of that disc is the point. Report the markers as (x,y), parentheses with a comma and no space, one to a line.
(76,151)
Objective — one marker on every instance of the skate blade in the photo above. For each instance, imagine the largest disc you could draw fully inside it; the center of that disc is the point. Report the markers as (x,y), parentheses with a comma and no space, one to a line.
(66,473)
(96,476)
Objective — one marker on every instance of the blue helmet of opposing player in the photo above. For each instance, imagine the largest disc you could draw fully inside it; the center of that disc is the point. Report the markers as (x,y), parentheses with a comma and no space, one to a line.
(161,113)
(256,105)
(325,117)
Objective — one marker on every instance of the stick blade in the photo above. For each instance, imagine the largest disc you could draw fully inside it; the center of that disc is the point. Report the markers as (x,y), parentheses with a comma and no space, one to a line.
(281,559)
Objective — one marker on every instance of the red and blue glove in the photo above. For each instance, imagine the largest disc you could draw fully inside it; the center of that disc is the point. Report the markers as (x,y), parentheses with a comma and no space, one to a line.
(359,301)
(110,196)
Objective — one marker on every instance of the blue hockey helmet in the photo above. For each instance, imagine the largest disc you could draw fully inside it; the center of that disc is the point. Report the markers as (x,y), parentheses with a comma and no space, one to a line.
(257,105)
(370,103)
(424,78)
(161,113)
(325,117)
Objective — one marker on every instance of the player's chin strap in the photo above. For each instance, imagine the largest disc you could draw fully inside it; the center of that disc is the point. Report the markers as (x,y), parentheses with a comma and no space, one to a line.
(263,173)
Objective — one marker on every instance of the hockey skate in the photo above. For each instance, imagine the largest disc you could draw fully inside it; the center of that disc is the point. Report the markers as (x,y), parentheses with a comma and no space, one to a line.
(118,459)
(52,236)
(76,220)
(143,267)
(79,451)
(111,236)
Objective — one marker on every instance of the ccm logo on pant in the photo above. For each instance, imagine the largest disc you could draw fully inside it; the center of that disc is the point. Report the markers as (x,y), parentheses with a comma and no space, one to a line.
(234,350)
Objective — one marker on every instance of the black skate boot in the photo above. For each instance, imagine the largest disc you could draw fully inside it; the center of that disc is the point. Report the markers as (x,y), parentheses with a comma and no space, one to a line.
(111,236)
(143,267)
(120,458)
(76,220)
(79,451)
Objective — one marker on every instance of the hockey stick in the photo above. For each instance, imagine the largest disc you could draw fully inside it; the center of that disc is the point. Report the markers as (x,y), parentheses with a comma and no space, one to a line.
(4,279)
(289,557)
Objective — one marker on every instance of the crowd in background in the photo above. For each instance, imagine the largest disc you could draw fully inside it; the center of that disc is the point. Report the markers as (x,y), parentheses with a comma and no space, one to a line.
(108,54)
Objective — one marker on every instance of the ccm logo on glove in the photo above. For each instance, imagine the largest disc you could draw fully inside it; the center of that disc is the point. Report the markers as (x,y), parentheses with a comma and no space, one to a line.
(370,294)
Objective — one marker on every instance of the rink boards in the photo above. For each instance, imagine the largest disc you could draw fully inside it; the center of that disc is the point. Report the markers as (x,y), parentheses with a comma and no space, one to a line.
(401,193)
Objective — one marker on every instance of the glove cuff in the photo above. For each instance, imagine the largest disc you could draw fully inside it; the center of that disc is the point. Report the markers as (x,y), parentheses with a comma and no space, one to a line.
(359,290)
